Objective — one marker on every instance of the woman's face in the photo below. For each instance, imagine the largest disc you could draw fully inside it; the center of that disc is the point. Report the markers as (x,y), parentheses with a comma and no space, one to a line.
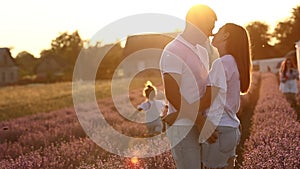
(288,63)
(219,39)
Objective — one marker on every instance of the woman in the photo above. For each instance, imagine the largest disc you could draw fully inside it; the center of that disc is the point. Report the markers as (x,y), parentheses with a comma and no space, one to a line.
(229,76)
(288,80)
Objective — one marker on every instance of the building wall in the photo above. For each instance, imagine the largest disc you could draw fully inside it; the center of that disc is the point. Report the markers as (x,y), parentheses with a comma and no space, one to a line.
(9,72)
(9,75)
(140,61)
(268,64)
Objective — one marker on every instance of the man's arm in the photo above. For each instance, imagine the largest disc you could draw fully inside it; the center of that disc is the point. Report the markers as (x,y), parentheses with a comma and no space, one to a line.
(172,90)
(205,102)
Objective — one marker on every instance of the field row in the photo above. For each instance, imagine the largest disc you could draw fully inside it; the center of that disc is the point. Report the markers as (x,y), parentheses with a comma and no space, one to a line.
(274,141)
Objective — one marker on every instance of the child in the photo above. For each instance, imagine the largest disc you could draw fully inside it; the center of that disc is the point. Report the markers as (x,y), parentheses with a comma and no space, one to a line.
(153,108)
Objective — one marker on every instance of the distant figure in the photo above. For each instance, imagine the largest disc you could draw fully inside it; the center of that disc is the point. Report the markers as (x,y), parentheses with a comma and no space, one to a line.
(154,109)
(288,76)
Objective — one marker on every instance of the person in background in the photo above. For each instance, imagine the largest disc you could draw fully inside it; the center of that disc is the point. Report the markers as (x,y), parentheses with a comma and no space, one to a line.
(288,76)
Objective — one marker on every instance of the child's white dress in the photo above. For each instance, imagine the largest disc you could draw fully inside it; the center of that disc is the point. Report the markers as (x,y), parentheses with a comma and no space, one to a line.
(153,109)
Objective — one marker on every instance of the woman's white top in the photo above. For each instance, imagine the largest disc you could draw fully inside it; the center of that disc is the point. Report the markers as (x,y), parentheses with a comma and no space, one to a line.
(289,84)
(225,76)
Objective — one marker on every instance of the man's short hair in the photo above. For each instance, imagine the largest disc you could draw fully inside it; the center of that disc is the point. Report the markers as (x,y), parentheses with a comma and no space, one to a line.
(199,11)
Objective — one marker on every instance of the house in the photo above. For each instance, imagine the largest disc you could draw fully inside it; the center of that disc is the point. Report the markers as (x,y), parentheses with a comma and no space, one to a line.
(8,68)
(265,65)
(143,52)
(48,69)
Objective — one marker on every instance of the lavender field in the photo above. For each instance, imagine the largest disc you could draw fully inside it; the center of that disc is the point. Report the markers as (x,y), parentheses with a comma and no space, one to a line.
(56,139)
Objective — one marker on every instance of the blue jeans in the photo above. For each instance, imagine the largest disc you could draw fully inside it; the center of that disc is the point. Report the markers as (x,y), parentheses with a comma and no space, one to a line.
(185,146)
(217,154)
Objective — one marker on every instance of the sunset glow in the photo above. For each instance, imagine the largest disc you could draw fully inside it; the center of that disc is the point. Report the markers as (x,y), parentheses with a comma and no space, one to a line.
(31,25)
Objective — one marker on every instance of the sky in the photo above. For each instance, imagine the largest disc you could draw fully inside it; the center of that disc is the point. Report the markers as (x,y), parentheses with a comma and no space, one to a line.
(31,25)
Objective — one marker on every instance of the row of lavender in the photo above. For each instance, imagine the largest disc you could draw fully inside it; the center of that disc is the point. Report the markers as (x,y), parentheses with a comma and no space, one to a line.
(274,141)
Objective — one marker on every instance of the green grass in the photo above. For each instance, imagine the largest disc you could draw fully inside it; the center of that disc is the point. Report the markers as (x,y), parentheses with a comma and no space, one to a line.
(18,101)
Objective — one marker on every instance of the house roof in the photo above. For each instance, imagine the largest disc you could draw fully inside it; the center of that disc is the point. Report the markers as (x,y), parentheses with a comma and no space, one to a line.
(145,41)
(6,60)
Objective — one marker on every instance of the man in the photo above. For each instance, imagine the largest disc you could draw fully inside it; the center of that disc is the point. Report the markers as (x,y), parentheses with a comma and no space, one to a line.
(184,67)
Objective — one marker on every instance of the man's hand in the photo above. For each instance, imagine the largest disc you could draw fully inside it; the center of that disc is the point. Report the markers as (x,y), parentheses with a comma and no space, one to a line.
(213,138)
(207,131)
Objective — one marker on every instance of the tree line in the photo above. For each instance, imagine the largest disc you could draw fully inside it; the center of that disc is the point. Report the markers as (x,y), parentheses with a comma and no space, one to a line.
(67,46)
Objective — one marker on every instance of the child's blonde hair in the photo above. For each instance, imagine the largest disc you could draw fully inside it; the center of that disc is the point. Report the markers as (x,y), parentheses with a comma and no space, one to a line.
(149,90)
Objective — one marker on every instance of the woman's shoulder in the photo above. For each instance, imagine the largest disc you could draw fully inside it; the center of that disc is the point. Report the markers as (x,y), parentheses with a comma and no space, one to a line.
(227,58)
(226,61)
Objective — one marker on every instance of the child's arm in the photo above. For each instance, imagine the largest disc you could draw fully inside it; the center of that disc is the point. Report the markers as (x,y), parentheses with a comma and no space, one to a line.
(139,109)
(165,111)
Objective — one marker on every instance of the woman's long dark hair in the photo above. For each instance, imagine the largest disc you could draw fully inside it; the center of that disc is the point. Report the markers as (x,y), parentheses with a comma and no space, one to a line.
(238,45)
(284,67)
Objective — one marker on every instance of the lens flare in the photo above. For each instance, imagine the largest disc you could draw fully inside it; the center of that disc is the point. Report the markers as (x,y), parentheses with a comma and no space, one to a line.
(134,160)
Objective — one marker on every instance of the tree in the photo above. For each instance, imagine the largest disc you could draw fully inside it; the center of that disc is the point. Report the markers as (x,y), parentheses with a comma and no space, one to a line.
(110,62)
(259,38)
(105,59)
(65,50)
(67,46)
(26,62)
(287,32)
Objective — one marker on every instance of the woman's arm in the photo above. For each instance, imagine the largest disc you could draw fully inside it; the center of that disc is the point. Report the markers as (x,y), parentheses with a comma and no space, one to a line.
(282,78)
(208,97)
